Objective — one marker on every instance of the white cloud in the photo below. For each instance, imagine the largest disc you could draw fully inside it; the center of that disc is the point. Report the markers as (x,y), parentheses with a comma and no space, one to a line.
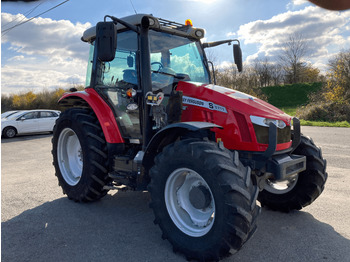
(16,58)
(225,65)
(324,31)
(231,34)
(23,79)
(42,53)
(296,3)
(299,2)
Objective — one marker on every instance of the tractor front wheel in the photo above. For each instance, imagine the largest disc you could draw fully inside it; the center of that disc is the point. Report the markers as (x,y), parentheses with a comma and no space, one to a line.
(80,155)
(203,199)
(303,188)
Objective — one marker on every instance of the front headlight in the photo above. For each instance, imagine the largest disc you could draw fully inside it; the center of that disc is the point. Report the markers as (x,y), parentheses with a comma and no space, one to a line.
(261,128)
(262,121)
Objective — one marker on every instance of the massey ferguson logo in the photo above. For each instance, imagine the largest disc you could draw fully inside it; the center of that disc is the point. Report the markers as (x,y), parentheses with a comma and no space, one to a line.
(201,103)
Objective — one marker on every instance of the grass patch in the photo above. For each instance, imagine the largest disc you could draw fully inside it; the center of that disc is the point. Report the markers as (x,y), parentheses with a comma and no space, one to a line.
(289,110)
(327,124)
(290,95)
(292,112)
(292,100)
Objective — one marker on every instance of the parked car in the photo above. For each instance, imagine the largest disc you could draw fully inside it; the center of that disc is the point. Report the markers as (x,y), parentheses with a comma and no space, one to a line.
(8,113)
(28,121)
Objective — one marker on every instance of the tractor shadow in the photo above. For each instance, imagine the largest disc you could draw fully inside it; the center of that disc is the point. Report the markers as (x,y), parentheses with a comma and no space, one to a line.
(120,228)
(293,236)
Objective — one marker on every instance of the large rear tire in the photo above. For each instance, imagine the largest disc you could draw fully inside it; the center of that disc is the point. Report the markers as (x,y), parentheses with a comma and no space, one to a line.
(302,189)
(80,155)
(203,199)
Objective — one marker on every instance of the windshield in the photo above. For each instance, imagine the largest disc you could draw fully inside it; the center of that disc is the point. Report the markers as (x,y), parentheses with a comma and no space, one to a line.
(15,115)
(7,114)
(176,57)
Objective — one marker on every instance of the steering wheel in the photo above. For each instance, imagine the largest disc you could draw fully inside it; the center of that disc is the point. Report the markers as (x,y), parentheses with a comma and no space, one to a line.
(157,63)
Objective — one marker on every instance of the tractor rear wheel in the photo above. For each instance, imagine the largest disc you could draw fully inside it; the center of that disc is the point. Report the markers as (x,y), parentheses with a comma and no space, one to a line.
(203,199)
(302,189)
(80,155)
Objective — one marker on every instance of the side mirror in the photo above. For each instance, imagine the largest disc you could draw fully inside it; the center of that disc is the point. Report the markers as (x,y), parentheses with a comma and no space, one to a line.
(106,41)
(237,54)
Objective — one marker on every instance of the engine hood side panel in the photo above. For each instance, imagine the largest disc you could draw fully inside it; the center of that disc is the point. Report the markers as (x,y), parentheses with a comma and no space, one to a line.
(230,109)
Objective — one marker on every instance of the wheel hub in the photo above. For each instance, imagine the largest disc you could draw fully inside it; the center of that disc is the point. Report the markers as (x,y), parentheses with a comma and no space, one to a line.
(190,202)
(200,197)
(70,156)
(281,187)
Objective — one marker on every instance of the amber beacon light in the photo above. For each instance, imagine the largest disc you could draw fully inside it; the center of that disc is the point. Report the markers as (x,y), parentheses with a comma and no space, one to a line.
(188,22)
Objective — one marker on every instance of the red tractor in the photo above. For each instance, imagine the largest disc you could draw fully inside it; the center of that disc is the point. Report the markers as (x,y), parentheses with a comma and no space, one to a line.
(151,119)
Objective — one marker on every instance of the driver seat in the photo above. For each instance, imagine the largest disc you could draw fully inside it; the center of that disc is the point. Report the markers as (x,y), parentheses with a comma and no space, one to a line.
(130,76)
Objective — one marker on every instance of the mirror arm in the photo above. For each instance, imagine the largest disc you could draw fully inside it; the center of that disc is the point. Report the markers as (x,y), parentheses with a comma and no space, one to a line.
(216,43)
(212,68)
(117,20)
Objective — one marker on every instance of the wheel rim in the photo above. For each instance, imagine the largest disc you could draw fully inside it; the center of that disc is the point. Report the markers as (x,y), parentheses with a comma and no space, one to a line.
(190,202)
(281,187)
(70,156)
(10,132)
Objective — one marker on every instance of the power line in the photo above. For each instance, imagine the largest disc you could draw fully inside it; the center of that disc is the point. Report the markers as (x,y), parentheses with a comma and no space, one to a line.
(25,14)
(9,29)
(133,7)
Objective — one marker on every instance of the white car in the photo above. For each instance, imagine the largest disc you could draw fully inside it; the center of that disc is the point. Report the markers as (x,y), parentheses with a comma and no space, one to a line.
(8,113)
(29,121)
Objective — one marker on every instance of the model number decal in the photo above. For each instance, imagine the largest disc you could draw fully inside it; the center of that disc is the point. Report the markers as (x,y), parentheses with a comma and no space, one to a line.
(206,104)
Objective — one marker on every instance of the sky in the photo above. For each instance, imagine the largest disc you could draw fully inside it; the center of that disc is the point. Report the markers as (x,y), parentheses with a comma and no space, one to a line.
(46,52)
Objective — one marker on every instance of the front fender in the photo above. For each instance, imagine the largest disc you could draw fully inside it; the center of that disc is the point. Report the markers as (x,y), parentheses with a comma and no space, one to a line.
(168,135)
(91,99)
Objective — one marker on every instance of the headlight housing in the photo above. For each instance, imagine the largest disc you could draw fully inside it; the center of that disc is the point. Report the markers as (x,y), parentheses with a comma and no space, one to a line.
(261,128)
(262,121)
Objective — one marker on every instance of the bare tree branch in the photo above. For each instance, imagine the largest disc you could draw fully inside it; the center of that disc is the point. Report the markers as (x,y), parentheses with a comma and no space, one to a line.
(292,56)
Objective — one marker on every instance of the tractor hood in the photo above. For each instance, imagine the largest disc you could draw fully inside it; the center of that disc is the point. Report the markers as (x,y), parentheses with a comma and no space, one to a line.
(223,99)
(245,119)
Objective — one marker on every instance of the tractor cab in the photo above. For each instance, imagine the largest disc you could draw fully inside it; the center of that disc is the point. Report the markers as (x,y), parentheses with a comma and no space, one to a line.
(175,54)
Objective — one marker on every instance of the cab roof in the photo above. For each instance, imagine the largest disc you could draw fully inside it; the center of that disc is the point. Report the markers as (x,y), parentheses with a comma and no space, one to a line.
(157,24)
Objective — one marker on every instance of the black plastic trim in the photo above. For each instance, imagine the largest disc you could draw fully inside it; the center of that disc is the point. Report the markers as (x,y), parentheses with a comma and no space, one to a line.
(284,166)
(169,134)
(296,133)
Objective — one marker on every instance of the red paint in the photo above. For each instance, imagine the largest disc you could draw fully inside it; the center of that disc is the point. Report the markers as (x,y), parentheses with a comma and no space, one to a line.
(238,132)
(103,112)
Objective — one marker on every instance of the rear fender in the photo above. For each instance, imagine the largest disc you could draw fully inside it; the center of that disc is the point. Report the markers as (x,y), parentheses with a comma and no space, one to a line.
(91,99)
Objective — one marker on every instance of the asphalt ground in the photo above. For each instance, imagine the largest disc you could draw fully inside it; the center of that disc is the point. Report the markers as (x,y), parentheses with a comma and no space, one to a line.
(39,223)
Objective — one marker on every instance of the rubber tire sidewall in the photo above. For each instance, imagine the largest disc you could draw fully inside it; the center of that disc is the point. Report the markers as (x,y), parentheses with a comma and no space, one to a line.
(310,183)
(90,185)
(177,235)
(211,245)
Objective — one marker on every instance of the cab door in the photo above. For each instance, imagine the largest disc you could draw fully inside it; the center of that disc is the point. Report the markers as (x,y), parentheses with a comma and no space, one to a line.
(117,77)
